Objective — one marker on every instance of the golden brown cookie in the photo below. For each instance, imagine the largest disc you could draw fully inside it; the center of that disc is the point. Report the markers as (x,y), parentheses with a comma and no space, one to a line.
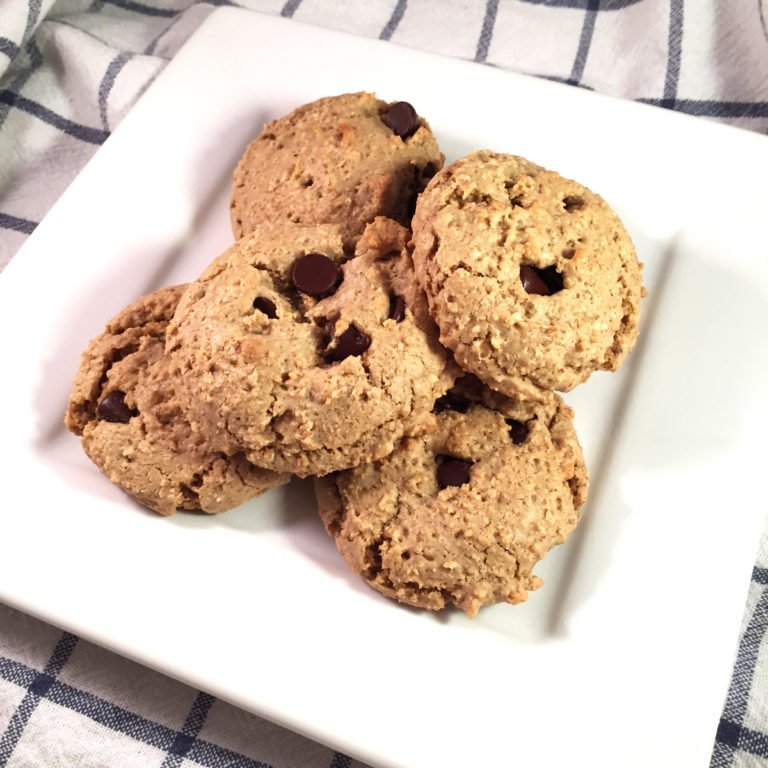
(125,405)
(306,365)
(462,515)
(532,279)
(342,160)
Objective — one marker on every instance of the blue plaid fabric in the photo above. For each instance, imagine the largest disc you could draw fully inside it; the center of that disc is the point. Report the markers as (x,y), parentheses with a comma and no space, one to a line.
(69,72)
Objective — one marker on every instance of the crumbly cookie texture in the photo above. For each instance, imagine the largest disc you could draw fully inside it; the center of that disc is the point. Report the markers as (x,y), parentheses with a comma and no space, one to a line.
(342,160)
(125,405)
(531,277)
(462,515)
(308,366)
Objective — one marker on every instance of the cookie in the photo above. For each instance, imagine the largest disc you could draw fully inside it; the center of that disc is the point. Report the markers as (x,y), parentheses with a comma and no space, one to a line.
(342,160)
(307,365)
(531,277)
(461,516)
(124,404)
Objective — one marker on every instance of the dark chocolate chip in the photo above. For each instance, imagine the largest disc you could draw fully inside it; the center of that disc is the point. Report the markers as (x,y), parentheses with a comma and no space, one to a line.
(265,305)
(401,117)
(314,274)
(451,401)
(397,308)
(113,408)
(518,431)
(350,342)
(542,282)
(529,276)
(452,471)
(552,278)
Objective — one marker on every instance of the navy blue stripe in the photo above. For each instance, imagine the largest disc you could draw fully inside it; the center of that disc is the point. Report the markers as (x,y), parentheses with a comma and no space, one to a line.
(198,714)
(486,33)
(722,756)
(714,108)
(745,739)
(585,41)
(111,716)
(39,687)
(16,673)
(674,49)
(8,47)
(188,735)
(728,733)
(213,756)
(25,226)
(147,10)
(394,20)
(737,700)
(105,87)
(290,8)
(340,761)
(82,132)
(33,14)
(760,575)
(115,718)
(139,728)
(18,82)
(16,726)
(61,654)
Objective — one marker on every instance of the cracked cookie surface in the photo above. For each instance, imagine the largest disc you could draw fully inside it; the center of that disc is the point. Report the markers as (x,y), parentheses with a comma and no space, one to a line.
(531,277)
(342,160)
(307,364)
(462,515)
(124,404)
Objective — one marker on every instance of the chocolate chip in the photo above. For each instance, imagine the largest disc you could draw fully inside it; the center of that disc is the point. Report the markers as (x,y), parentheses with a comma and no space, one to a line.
(552,278)
(518,431)
(350,342)
(397,308)
(529,276)
(452,471)
(314,274)
(542,282)
(265,305)
(401,117)
(451,401)
(113,408)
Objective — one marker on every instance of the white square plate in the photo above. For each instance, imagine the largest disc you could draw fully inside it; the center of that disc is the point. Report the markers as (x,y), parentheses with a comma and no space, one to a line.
(624,656)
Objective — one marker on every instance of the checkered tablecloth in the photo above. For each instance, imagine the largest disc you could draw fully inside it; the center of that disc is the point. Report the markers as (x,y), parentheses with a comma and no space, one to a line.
(69,72)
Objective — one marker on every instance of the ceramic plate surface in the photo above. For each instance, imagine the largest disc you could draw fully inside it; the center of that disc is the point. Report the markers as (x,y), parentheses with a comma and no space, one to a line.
(623,656)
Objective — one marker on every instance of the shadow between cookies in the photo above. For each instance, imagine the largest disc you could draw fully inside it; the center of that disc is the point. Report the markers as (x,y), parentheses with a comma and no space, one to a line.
(140,268)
